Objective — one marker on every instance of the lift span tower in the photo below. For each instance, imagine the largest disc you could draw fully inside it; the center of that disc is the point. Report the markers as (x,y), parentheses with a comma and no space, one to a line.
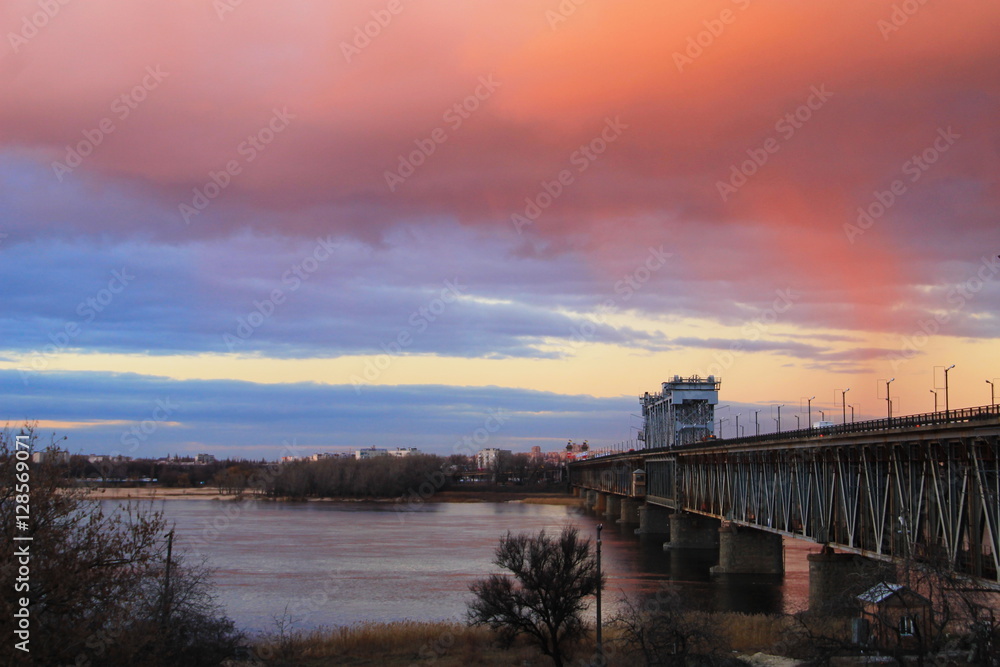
(682,413)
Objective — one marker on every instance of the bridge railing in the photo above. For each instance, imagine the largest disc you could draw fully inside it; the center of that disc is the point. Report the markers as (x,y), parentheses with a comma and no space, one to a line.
(869,426)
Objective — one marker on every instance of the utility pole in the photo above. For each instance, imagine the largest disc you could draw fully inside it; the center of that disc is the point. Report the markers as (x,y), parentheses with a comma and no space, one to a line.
(947,409)
(600,646)
(166,580)
(888,401)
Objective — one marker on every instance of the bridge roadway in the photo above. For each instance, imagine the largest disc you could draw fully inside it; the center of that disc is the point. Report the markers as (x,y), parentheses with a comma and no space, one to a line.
(924,487)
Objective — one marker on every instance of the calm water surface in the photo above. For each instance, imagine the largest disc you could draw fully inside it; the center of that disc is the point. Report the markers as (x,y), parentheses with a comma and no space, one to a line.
(340,563)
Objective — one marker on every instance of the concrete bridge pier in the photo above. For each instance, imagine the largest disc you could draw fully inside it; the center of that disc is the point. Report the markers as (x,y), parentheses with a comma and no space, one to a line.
(692,531)
(601,503)
(630,511)
(613,508)
(747,551)
(836,578)
(589,499)
(653,520)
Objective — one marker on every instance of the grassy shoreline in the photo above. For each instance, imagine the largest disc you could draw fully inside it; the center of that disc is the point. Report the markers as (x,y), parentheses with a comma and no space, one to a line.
(454,644)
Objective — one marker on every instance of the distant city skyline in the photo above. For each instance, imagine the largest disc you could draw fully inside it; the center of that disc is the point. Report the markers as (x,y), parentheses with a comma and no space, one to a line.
(470,226)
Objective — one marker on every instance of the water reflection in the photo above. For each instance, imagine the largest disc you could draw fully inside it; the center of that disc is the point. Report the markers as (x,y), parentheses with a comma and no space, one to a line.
(341,563)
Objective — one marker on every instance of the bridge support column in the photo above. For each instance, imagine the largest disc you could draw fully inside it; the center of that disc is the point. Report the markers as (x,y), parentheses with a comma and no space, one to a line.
(576,491)
(601,503)
(835,579)
(747,551)
(614,507)
(589,499)
(630,511)
(691,531)
(653,520)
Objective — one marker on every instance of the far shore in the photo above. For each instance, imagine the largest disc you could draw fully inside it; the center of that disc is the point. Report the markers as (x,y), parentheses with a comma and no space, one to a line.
(460,496)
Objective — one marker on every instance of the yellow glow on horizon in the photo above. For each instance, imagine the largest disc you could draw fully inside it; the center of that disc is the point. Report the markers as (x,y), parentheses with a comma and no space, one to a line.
(605,370)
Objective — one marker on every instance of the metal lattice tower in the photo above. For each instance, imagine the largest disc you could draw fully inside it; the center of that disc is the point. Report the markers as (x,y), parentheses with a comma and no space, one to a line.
(682,413)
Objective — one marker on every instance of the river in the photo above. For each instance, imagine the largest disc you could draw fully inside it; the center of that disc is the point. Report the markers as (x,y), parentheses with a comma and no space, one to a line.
(333,563)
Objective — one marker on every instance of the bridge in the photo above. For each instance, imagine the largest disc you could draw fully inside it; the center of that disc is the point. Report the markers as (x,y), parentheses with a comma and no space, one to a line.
(920,487)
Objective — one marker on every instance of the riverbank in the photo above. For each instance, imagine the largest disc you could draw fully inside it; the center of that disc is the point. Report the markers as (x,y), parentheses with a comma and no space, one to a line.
(741,637)
(457,496)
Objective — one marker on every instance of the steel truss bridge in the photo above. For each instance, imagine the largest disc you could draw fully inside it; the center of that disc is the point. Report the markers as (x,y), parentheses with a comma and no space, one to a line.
(925,487)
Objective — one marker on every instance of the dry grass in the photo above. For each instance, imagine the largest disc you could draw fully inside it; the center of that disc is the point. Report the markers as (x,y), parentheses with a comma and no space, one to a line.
(398,644)
(444,644)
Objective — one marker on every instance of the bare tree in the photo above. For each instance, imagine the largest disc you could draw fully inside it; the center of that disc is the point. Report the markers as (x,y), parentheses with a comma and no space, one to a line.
(545,593)
(666,633)
(96,583)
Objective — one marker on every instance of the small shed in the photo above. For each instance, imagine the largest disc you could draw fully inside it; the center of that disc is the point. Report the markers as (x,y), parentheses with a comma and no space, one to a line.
(896,616)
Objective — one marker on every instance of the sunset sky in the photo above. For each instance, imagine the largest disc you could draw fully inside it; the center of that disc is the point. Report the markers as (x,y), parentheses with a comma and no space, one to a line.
(226,226)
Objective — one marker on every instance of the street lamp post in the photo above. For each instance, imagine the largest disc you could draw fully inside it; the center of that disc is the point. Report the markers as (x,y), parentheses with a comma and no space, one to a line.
(993,400)
(947,408)
(798,423)
(779,416)
(843,403)
(756,424)
(738,424)
(888,401)
(600,648)
(822,415)
(935,399)
(810,402)
(852,413)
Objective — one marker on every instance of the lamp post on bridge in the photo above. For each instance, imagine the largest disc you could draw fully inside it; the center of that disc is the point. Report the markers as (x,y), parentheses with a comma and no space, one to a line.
(935,399)
(738,424)
(822,415)
(947,408)
(993,400)
(798,423)
(779,416)
(843,403)
(852,413)
(888,401)
(756,424)
(810,415)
